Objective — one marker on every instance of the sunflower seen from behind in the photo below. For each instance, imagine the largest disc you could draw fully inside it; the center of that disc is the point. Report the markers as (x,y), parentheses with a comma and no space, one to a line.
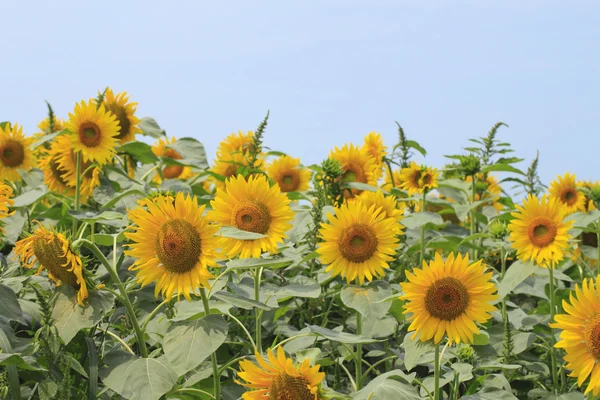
(173,244)
(94,132)
(124,111)
(357,166)
(288,174)
(278,378)
(15,152)
(252,205)
(358,242)
(539,232)
(53,252)
(6,194)
(170,171)
(447,298)
(564,189)
(416,179)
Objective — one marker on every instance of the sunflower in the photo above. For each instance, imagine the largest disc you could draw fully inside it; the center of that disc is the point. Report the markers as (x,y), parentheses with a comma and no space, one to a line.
(277,378)
(54,177)
(538,230)
(416,179)
(373,144)
(6,193)
(46,128)
(357,166)
(580,336)
(447,298)
(124,111)
(387,183)
(94,132)
(236,143)
(385,205)
(358,242)
(288,174)
(170,171)
(253,206)
(487,187)
(52,250)
(15,152)
(64,170)
(565,190)
(589,187)
(173,244)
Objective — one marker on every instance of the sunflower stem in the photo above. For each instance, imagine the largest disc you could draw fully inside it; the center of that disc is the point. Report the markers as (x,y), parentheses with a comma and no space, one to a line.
(552,313)
(423,204)
(389,166)
(502,272)
(257,312)
(213,356)
(436,373)
(473,227)
(358,357)
(77,189)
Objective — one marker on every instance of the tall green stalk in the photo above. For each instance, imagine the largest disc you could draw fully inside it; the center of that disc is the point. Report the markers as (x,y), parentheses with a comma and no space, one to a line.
(552,313)
(257,312)
(77,189)
(436,373)
(472,212)
(358,355)
(213,356)
(423,204)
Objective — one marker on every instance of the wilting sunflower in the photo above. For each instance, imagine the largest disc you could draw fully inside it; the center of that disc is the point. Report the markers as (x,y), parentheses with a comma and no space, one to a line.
(385,205)
(565,190)
(253,206)
(277,378)
(173,244)
(124,110)
(170,171)
(15,153)
(6,193)
(52,250)
(447,298)
(288,174)
(373,144)
(416,179)
(64,170)
(539,232)
(358,242)
(580,336)
(94,132)
(358,166)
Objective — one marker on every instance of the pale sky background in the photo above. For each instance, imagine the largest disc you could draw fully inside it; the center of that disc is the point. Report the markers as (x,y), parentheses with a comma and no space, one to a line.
(329,71)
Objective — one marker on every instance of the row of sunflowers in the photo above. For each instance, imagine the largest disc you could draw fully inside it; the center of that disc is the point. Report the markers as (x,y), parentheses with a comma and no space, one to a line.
(138,271)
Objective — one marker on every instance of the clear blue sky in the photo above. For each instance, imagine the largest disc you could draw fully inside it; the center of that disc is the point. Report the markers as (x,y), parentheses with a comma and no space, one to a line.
(329,71)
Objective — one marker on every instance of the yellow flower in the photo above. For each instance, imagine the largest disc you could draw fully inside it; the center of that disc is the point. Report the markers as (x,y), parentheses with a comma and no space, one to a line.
(564,189)
(170,171)
(358,242)
(373,144)
(46,129)
(236,143)
(386,205)
(6,193)
(357,165)
(539,232)
(491,189)
(252,206)
(416,179)
(447,298)
(173,244)
(94,132)
(15,153)
(580,336)
(232,154)
(288,174)
(124,111)
(53,251)
(277,378)
(589,203)
(64,171)
(397,178)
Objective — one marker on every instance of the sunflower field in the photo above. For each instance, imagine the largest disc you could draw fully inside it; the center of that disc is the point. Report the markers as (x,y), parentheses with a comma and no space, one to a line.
(134,266)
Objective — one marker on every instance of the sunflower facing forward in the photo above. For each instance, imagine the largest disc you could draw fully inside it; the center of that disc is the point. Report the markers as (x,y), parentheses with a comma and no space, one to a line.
(170,171)
(447,298)
(6,193)
(580,336)
(52,250)
(173,244)
(277,378)
(357,166)
(15,152)
(124,110)
(253,206)
(94,132)
(564,188)
(538,232)
(358,242)
(416,179)
(288,174)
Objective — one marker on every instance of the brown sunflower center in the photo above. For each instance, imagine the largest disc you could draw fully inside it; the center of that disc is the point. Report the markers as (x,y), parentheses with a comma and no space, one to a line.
(290,181)
(121,113)
(358,243)
(231,170)
(90,134)
(12,153)
(57,173)
(172,171)
(252,216)
(353,175)
(447,299)
(285,387)
(88,173)
(592,338)
(50,254)
(569,196)
(178,246)
(426,179)
(542,231)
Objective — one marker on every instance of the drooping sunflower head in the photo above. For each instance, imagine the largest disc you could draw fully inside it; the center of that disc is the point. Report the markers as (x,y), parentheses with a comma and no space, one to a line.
(388,206)
(61,172)
(358,242)
(173,244)
(6,201)
(580,336)
(447,298)
(170,171)
(124,110)
(288,174)
(538,231)
(564,188)
(15,153)
(252,206)
(94,132)
(277,378)
(357,166)
(417,179)
(53,252)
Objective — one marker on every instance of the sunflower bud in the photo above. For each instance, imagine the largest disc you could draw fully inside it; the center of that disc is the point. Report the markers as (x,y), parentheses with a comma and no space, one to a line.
(466,353)
(469,165)
(498,229)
